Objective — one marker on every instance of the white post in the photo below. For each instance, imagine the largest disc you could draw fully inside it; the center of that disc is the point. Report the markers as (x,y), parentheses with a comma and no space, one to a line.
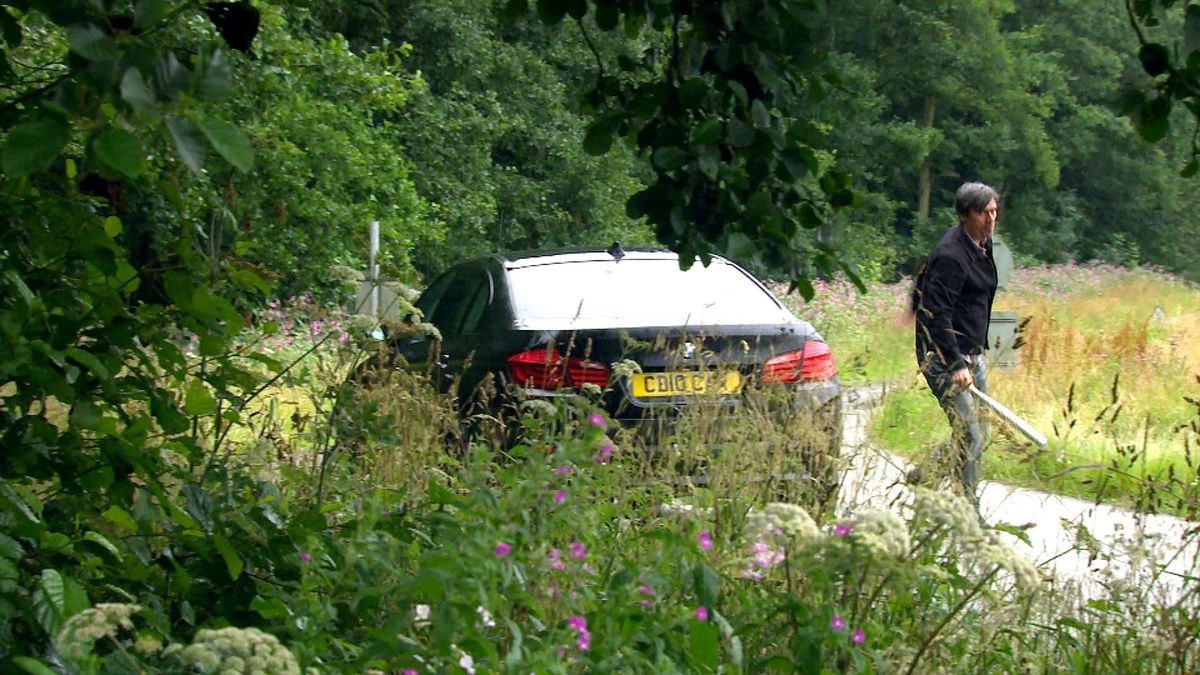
(373,269)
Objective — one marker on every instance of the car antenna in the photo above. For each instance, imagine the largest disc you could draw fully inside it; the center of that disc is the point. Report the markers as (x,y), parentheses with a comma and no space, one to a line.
(616,251)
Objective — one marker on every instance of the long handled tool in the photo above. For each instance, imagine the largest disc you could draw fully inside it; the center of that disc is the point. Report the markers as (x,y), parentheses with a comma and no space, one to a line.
(1011,417)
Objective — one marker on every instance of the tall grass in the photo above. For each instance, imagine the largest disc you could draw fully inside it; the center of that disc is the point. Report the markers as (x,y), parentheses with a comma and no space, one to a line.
(1108,357)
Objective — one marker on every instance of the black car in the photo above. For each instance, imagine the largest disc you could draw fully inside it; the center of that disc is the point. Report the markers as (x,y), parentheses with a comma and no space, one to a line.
(656,339)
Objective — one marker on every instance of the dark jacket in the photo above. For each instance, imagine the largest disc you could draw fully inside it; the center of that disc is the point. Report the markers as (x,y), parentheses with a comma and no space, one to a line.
(953,300)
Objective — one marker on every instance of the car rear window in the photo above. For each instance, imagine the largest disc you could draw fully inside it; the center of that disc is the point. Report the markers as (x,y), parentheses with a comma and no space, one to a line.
(634,293)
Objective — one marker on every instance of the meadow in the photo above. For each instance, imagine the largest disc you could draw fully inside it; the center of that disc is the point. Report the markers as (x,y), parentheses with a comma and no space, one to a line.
(338,526)
(1108,368)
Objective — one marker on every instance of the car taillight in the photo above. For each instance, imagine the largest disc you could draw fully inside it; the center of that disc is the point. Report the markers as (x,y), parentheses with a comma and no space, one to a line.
(814,362)
(547,369)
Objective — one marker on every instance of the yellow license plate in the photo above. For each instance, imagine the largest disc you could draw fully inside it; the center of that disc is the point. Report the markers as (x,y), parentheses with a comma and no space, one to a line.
(711,383)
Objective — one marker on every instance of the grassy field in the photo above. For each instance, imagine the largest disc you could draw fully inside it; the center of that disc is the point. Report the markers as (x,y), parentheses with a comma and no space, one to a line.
(1109,370)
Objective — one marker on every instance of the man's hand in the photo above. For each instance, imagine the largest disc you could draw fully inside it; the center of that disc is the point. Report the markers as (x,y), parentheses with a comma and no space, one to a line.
(962,377)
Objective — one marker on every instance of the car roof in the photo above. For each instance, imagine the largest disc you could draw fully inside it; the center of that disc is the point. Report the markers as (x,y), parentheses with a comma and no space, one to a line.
(523,259)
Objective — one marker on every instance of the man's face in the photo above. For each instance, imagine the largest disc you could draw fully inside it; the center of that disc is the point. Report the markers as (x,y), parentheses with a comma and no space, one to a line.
(981,225)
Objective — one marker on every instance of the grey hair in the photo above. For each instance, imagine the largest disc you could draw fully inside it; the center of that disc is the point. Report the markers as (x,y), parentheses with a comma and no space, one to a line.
(973,198)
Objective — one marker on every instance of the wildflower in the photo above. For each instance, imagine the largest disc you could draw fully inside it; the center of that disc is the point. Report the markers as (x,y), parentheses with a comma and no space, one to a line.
(597,420)
(409,671)
(766,557)
(883,533)
(579,625)
(647,605)
(578,551)
(842,530)
(1024,572)
(502,549)
(485,617)
(701,613)
(949,510)
(706,541)
(317,326)
(305,557)
(837,623)
(778,519)
(560,496)
(646,590)
(467,663)
(421,612)
(555,558)
(564,471)
(238,650)
(85,628)
(860,636)
(605,453)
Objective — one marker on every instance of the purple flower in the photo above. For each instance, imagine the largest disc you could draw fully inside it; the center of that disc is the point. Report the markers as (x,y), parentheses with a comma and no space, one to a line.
(860,636)
(705,540)
(579,624)
(409,671)
(841,530)
(576,622)
(560,496)
(647,605)
(578,551)
(605,453)
(701,613)
(555,558)
(304,556)
(646,590)
(502,549)
(564,471)
(317,326)
(837,623)
(585,640)
(597,420)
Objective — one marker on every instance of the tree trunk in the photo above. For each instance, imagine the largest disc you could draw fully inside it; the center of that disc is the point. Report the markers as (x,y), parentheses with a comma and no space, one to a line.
(926,186)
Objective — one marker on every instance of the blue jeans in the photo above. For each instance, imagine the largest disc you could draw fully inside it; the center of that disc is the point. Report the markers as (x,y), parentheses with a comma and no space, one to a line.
(968,432)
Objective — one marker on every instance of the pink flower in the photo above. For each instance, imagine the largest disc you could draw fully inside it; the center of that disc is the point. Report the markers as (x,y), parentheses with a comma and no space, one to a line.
(647,605)
(585,640)
(409,671)
(860,636)
(555,558)
(502,549)
(605,453)
(701,613)
(578,551)
(841,530)
(705,540)
(564,471)
(597,420)
(576,622)
(837,623)
(317,326)
(579,624)
(646,590)
(304,556)
(560,496)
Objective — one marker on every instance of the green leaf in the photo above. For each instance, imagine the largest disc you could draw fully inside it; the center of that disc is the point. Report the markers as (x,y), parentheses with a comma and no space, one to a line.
(607,16)
(198,400)
(149,12)
(598,139)
(11,548)
(50,601)
(215,79)
(121,518)
(87,360)
(233,562)
(32,146)
(137,92)
(759,115)
(1155,59)
(551,12)
(1191,30)
(112,226)
(10,28)
(188,141)
(777,662)
(740,134)
(270,609)
(1153,119)
(121,151)
(670,158)
(707,132)
(103,542)
(706,582)
(704,643)
(18,503)
(229,142)
(1190,169)
(90,42)
(33,666)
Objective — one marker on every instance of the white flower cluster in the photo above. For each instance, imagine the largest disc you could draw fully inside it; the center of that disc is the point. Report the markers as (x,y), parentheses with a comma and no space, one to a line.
(232,651)
(954,512)
(781,519)
(81,631)
(948,509)
(993,550)
(881,532)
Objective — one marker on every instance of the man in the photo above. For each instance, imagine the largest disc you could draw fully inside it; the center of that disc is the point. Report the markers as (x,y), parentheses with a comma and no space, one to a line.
(953,304)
